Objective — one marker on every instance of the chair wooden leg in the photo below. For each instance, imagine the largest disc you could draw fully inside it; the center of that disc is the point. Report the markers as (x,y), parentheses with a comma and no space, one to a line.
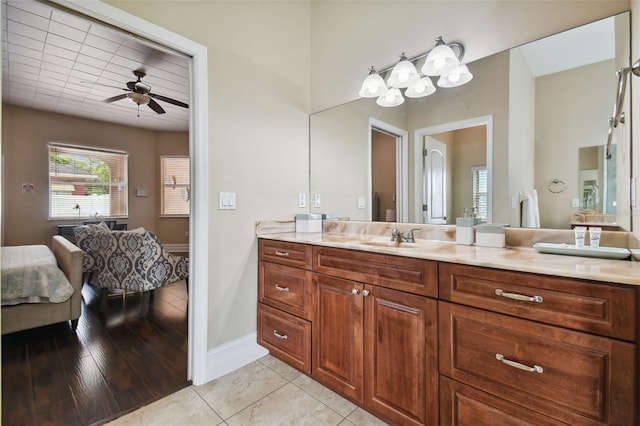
(144,306)
(104,293)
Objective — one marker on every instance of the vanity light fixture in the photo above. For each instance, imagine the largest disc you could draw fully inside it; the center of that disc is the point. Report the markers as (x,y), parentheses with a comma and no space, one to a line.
(391,98)
(404,74)
(443,61)
(373,86)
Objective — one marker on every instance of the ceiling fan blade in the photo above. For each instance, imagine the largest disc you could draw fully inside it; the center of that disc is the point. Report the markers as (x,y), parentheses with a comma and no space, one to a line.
(156,107)
(168,100)
(116,98)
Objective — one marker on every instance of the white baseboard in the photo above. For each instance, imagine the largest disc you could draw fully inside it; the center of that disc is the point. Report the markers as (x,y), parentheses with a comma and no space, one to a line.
(233,355)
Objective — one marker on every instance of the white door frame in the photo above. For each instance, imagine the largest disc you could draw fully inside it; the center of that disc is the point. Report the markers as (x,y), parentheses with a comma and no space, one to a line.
(199,155)
(402,168)
(418,134)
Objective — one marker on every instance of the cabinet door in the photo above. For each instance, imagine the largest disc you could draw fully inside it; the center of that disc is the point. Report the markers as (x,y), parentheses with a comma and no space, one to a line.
(401,369)
(337,335)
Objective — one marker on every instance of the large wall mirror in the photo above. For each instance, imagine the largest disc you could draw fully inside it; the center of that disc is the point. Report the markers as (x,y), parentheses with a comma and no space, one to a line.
(530,124)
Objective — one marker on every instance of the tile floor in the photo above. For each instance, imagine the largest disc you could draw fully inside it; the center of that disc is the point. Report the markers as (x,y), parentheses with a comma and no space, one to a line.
(265,392)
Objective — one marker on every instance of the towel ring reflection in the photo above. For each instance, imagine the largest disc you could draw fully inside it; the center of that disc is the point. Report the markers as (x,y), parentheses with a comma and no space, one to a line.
(556,186)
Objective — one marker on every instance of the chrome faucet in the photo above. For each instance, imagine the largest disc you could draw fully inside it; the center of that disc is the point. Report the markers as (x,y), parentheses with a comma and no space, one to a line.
(397,236)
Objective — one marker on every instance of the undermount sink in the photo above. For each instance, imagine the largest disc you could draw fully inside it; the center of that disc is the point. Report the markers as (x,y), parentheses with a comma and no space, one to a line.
(389,244)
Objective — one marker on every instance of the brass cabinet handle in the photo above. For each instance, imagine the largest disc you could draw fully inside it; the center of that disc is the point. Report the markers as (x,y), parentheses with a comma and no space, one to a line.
(516,296)
(355,291)
(280,288)
(534,369)
(282,253)
(365,292)
(280,336)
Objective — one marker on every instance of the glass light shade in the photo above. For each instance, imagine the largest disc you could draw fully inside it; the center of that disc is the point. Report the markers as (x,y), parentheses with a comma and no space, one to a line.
(421,88)
(403,74)
(440,60)
(392,98)
(456,77)
(373,86)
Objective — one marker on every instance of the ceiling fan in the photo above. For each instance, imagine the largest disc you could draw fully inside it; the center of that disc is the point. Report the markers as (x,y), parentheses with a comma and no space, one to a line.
(140,93)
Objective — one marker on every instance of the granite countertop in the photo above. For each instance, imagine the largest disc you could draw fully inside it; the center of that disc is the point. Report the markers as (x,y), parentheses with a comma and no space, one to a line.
(524,259)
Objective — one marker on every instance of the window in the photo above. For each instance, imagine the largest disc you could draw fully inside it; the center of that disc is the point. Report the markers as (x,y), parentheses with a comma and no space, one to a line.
(176,186)
(85,181)
(480,191)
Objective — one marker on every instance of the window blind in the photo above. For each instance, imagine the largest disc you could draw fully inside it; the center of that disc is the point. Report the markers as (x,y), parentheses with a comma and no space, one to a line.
(176,186)
(85,182)
(480,191)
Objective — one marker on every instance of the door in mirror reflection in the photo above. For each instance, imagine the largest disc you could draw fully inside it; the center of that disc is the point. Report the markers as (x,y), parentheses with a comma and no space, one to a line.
(383,176)
(434,207)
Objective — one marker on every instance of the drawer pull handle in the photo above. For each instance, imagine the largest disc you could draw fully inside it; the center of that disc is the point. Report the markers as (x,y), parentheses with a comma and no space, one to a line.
(280,288)
(282,253)
(280,336)
(534,369)
(516,296)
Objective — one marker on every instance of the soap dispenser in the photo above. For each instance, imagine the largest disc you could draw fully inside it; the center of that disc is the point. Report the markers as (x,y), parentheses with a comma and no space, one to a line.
(464,229)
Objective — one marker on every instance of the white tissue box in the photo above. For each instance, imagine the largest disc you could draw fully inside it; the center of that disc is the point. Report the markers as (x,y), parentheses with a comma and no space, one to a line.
(490,235)
(308,222)
(464,231)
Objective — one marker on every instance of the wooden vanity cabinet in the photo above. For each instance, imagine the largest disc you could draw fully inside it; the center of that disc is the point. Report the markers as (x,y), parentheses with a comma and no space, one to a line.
(577,371)
(377,345)
(284,301)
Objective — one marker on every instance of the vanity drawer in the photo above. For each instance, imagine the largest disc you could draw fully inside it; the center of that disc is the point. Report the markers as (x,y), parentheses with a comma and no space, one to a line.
(567,375)
(416,276)
(286,336)
(286,253)
(581,305)
(285,288)
(464,405)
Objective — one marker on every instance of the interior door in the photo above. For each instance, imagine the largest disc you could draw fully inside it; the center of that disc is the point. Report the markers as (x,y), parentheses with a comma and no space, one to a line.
(434,181)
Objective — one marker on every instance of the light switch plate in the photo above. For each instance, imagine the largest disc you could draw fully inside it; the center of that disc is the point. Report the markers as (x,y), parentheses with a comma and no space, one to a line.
(575,202)
(316,202)
(302,200)
(361,203)
(227,201)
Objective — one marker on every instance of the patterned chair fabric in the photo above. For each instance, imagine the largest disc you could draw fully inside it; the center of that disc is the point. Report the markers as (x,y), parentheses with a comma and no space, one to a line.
(130,260)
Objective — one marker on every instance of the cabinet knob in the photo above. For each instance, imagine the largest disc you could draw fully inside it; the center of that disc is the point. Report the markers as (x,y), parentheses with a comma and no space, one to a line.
(355,291)
(365,292)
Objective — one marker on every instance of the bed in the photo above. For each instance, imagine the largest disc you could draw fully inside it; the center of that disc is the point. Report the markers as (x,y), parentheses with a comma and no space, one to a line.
(45,307)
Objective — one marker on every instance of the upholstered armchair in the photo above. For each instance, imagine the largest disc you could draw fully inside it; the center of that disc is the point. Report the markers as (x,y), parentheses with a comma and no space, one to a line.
(127,260)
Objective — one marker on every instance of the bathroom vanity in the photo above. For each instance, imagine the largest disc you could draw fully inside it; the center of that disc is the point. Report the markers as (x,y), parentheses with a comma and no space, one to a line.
(438,333)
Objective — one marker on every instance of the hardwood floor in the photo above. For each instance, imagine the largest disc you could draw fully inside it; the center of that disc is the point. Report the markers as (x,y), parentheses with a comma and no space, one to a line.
(115,362)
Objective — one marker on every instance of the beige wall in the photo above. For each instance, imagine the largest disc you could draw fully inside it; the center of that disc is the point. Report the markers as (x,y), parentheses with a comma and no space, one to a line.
(25,135)
(259,59)
(582,124)
(346,36)
(264,59)
(635,101)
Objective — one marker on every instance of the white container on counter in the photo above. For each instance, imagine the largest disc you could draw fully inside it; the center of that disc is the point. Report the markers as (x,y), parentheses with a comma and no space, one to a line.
(464,231)
(308,222)
(490,235)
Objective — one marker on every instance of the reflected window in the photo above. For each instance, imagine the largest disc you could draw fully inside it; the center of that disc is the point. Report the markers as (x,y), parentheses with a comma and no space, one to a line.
(176,186)
(480,195)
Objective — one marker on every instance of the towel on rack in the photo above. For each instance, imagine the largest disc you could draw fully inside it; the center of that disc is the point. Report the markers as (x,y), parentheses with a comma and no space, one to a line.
(530,213)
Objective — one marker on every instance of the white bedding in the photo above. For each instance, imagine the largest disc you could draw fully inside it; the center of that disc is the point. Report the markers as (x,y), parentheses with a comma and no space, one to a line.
(30,274)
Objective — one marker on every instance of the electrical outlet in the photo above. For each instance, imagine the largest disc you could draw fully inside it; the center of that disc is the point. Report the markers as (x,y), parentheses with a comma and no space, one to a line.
(302,200)
(316,202)
(361,203)
(575,202)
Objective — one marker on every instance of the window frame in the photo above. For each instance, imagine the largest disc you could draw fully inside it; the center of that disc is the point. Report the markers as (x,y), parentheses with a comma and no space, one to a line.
(120,157)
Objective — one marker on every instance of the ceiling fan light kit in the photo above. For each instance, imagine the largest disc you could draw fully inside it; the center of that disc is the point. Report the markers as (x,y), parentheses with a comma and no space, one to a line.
(444,60)
(140,93)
